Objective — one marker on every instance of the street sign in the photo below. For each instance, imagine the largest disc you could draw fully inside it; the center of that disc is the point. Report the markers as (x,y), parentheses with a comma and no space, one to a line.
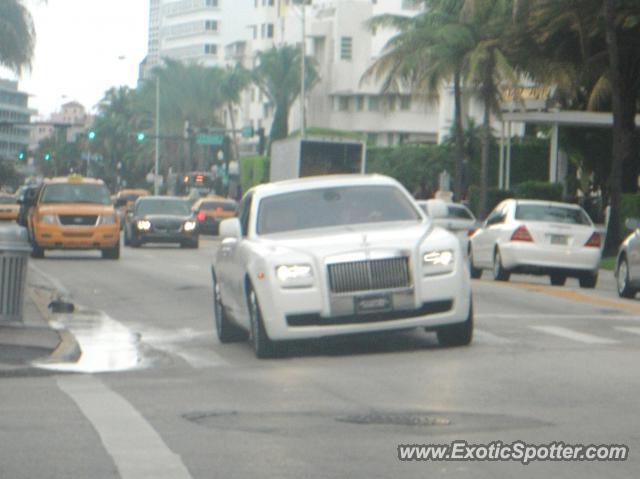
(247,132)
(205,139)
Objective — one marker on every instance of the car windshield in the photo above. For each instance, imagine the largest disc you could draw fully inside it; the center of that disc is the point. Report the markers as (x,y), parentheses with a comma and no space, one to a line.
(336,206)
(76,193)
(552,214)
(214,205)
(7,200)
(458,213)
(163,207)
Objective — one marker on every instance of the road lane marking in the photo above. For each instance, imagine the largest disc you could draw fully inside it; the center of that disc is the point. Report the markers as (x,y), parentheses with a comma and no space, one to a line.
(571,295)
(628,329)
(573,335)
(485,337)
(136,448)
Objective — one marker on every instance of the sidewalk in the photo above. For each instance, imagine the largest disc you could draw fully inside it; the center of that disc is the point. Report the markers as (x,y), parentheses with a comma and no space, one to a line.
(33,339)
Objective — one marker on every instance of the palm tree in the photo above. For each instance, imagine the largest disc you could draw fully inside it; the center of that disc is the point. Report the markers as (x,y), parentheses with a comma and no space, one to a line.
(489,70)
(429,53)
(234,80)
(278,77)
(17,35)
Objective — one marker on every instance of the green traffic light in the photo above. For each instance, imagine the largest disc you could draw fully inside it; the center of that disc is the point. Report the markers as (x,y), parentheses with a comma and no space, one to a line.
(47,156)
(91,135)
(21,156)
(140,136)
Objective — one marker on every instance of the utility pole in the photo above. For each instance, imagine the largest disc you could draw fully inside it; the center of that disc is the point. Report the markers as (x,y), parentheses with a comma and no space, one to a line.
(156,187)
(303,47)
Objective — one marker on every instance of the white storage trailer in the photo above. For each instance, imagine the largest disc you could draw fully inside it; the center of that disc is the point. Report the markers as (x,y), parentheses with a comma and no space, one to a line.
(312,156)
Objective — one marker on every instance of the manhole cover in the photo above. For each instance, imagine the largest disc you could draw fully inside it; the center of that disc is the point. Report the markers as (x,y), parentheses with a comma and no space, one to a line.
(402,419)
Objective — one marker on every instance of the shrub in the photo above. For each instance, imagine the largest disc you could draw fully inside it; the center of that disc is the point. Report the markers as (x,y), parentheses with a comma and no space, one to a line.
(539,190)
(629,208)
(494,196)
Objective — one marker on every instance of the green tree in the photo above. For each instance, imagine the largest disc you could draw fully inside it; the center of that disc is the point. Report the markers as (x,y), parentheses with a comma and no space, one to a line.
(277,74)
(234,80)
(428,53)
(17,35)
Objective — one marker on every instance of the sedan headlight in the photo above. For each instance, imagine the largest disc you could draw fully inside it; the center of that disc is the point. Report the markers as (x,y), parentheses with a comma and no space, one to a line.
(438,262)
(48,219)
(295,275)
(143,225)
(108,219)
(190,226)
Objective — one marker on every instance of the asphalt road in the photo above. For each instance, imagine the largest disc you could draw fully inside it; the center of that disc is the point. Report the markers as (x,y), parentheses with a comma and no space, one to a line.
(156,395)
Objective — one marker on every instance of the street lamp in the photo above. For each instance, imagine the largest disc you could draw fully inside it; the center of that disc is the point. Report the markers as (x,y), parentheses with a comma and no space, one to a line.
(303,47)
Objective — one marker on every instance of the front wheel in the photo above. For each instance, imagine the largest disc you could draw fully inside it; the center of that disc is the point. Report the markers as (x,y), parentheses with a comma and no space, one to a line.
(459,334)
(558,279)
(37,251)
(262,345)
(499,273)
(111,253)
(476,273)
(622,280)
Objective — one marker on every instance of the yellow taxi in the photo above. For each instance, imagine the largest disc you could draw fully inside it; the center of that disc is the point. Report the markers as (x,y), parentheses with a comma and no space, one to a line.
(211,210)
(74,213)
(126,197)
(9,207)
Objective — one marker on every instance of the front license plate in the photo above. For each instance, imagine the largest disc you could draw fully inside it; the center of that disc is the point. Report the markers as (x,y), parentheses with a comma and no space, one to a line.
(558,239)
(373,304)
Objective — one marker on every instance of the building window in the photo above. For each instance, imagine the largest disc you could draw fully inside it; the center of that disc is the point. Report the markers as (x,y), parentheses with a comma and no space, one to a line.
(405,102)
(343,103)
(211,25)
(391,101)
(262,30)
(374,103)
(211,49)
(270,30)
(255,31)
(271,3)
(211,3)
(359,103)
(346,48)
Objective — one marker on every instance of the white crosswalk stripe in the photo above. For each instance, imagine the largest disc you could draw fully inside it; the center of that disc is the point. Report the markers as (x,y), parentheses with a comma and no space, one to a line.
(573,335)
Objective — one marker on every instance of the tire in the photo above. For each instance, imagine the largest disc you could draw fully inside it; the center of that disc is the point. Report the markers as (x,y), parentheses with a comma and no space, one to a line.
(558,279)
(37,251)
(126,238)
(135,242)
(622,279)
(476,273)
(263,347)
(499,273)
(588,280)
(111,253)
(227,332)
(459,334)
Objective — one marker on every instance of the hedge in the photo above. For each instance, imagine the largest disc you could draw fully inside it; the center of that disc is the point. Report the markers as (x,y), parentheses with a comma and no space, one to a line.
(629,208)
(539,190)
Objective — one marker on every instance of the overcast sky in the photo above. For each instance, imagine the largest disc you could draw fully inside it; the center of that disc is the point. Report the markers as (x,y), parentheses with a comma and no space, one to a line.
(78,46)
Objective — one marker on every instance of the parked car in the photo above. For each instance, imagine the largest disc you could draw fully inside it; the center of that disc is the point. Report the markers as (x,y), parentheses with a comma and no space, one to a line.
(337,255)
(161,219)
(211,210)
(9,207)
(459,219)
(537,237)
(628,261)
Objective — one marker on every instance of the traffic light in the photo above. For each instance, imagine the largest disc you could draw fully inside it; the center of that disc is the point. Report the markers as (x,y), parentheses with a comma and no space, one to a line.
(140,136)
(47,156)
(22,155)
(91,135)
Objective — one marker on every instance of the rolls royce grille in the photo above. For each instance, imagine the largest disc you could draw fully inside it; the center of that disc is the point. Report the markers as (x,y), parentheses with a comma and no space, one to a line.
(369,275)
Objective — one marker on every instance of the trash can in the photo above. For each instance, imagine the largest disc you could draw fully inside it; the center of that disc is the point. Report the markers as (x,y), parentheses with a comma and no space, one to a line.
(14,254)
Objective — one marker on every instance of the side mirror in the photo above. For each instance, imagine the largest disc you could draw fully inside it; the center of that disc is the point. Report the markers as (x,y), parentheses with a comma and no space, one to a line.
(230,228)
(437,209)
(632,224)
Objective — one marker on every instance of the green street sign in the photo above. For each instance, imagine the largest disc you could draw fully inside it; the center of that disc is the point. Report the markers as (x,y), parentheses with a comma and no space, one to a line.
(247,132)
(209,139)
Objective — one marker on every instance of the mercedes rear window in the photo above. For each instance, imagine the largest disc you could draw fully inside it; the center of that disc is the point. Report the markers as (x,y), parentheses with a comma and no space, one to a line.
(552,214)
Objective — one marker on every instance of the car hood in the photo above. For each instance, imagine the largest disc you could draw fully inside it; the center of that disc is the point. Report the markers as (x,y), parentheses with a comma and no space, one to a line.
(75,209)
(349,239)
(163,218)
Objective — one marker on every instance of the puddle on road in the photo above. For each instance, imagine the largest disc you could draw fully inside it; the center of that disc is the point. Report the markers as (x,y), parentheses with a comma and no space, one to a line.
(106,344)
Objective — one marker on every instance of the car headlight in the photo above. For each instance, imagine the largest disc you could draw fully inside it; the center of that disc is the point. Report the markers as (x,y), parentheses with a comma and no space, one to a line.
(143,225)
(438,262)
(295,275)
(108,219)
(48,219)
(190,226)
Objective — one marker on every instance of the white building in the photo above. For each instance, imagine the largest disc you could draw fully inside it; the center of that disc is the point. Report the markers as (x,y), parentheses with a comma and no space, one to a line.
(14,116)
(195,30)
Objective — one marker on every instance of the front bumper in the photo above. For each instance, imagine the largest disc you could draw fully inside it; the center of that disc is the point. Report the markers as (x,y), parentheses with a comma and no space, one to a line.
(307,312)
(521,256)
(155,236)
(76,237)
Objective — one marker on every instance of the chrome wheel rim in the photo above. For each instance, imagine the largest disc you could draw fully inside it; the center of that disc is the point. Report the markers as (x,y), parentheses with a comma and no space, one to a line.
(622,276)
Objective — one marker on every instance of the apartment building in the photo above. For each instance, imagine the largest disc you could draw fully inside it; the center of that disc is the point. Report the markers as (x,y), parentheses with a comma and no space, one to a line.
(195,30)
(14,109)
